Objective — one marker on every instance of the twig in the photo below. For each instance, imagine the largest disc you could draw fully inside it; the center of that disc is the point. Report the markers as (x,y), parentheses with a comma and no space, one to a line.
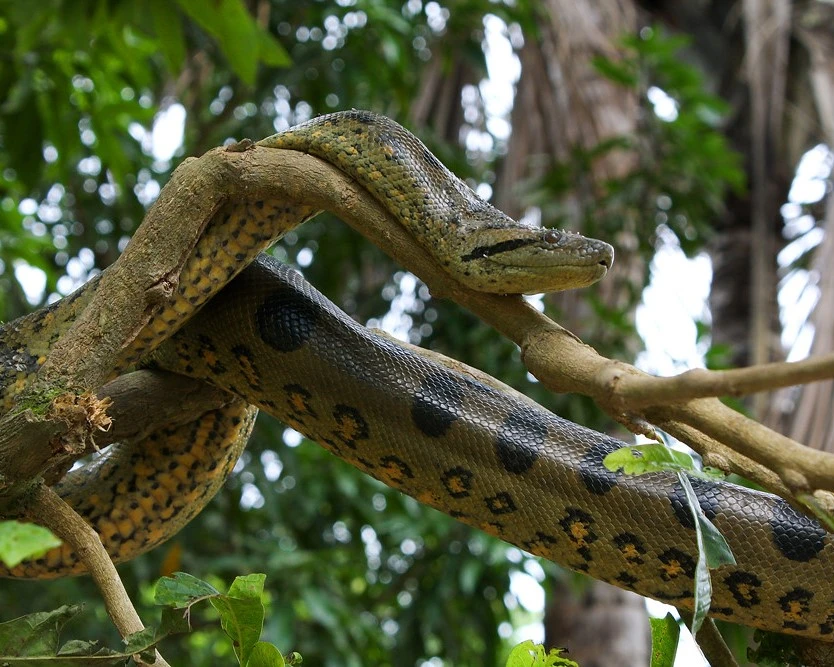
(800,468)
(718,455)
(46,508)
(711,642)
(640,392)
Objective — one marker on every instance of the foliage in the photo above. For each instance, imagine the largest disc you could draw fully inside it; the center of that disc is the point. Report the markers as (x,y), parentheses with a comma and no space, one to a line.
(528,654)
(665,634)
(683,169)
(713,550)
(34,639)
(686,165)
(24,540)
(774,650)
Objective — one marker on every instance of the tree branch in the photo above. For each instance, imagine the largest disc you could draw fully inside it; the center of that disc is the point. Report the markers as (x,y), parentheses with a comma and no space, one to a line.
(47,509)
(641,391)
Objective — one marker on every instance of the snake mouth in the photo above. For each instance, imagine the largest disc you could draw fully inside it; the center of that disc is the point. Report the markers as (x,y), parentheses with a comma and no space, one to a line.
(535,255)
(542,248)
(549,260)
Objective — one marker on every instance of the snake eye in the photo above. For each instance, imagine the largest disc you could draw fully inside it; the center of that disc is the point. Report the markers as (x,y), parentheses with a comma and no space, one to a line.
(552,236)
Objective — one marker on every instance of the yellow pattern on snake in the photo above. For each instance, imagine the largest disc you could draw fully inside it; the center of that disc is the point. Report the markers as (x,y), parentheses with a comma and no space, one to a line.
(482,455)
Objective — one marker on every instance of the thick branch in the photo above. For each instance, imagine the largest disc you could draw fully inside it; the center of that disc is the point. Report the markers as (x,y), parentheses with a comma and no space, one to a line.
(139,403)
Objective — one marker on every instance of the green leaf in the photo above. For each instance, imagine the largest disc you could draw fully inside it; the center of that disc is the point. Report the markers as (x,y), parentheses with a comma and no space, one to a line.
(19,541)
(239,36)
(37,633)
(665,634)
(528,654)
(271,51)
(33,640)
(174,621)
(653,457)
(622,73)
(168,26)
(182,590)
(265,655)
(713,551)
(242,620)
(250,586)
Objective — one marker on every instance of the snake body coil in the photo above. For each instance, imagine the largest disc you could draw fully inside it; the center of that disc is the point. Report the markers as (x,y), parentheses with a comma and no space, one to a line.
(480,454)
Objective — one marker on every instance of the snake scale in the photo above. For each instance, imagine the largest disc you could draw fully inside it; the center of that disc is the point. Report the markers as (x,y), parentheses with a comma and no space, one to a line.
(480,453)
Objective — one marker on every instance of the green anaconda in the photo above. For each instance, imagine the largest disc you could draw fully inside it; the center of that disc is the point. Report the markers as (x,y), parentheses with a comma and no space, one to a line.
(479,453)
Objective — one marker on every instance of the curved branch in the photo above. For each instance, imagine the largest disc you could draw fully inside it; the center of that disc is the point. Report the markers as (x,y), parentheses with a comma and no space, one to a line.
(46,508)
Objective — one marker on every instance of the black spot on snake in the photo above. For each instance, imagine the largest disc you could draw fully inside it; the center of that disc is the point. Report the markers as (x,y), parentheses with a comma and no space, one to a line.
(795,605)
(596,477)
(670,597)
(351,426)
(798,537)
(500,503)
(437,404)
(397,469)
(207,352)
(577,525)
(827,626)
(519,437)
(720,611)
(541,544)
(709,497)
(298,400)
(495,527)
(744,587)
(631,547)
(626,579)
(365,463)
(286,320)
(457,482)
(247,366)
(676,563)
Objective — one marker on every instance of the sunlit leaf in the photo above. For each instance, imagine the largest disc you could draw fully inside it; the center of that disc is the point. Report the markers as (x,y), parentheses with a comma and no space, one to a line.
(665,635)
(24,540)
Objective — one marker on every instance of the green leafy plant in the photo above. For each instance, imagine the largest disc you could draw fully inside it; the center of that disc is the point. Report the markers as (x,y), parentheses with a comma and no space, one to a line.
(528,654)
(34,639)
(713,550)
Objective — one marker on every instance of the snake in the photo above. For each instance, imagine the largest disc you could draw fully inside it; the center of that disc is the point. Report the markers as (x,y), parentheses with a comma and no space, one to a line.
(438,431)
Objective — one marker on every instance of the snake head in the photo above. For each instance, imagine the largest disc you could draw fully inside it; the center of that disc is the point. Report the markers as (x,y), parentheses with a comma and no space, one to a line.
(529,260)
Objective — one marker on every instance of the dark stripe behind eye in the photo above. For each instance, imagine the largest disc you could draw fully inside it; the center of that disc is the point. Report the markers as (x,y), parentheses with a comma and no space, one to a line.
(504,246)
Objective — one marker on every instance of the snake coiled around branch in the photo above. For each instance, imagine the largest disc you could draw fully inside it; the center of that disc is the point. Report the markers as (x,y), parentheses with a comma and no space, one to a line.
(472,449)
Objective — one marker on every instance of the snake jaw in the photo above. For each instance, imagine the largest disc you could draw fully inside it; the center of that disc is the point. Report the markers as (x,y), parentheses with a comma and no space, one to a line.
(530,260)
